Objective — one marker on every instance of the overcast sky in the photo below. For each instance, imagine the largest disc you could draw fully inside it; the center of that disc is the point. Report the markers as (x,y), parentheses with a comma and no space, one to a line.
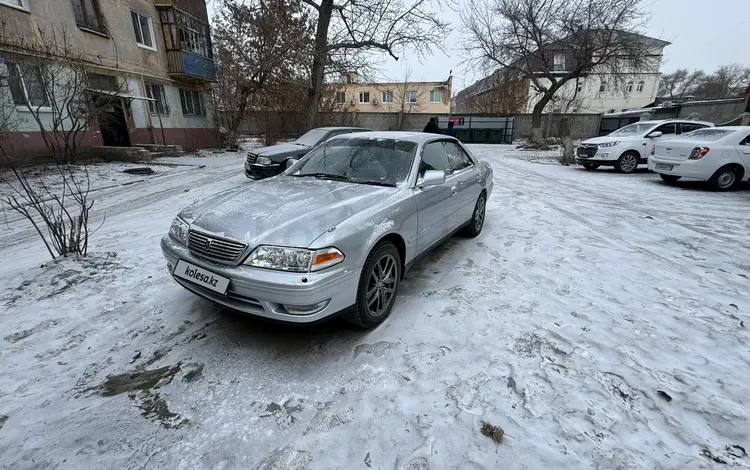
(704,34)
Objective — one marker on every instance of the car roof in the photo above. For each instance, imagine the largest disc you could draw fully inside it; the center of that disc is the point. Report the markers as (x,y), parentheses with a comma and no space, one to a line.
(728,128)
(665,121)
(339,128)
(417,137)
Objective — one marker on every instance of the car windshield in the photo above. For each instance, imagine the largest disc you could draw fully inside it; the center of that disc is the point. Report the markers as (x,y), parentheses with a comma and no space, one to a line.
(709,135)
(632,129)
(311,137)
(360,160)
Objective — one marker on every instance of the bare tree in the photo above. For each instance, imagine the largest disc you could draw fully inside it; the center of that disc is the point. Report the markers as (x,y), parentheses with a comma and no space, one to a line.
(49,78)
(681,83)
(551,42)
(728,81)
(348,30)
(260,45)
(499,94)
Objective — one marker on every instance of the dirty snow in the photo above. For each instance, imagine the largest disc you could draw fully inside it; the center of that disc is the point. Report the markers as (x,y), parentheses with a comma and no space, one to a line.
(597,320)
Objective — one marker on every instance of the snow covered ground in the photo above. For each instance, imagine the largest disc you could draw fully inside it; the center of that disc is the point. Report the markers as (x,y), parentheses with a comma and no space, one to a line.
(598,320)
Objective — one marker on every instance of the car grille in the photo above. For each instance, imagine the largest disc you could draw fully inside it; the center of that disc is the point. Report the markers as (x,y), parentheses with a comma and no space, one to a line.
(216,248)
(251,157)
(587,151)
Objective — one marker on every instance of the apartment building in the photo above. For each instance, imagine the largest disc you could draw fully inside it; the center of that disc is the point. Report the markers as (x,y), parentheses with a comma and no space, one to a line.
(352,95)
(150,59)
(595,91)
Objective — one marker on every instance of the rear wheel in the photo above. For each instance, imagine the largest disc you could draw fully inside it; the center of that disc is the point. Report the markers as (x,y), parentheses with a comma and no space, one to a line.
(378,286)
(590,166)
(477,218)
(669,178)
(627,163)
(725,179)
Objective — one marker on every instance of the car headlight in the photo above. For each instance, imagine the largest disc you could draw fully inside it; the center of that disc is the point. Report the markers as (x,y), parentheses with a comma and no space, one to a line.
(297,260)
(179,230)
(609,144)
(263,161)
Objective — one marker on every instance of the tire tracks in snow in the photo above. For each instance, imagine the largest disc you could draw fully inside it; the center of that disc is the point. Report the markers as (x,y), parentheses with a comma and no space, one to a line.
(613,237)
(622,205)
(121,207)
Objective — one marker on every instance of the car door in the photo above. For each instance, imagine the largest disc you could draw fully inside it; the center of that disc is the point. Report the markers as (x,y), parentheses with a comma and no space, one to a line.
(686,127)
(668,131)
(435,204)
(467,179)
(744,150)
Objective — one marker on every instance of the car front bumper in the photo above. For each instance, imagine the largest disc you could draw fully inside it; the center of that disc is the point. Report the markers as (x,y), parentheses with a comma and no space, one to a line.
(258,171)
(266,293)
(696,169)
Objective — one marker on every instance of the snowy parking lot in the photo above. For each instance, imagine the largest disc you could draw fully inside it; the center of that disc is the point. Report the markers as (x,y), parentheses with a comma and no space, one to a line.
(601,320)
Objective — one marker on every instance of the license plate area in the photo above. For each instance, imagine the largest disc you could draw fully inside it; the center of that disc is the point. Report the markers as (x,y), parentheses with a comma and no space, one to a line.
(662,166)
(201,276)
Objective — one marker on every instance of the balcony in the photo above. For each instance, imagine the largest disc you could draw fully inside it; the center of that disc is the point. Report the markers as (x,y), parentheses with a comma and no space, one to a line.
(188,66)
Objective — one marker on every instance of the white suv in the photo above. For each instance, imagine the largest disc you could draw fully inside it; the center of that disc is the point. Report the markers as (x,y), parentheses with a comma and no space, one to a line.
(631,145)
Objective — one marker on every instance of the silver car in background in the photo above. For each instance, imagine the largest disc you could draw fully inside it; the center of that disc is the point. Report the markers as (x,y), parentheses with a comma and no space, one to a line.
(335,232)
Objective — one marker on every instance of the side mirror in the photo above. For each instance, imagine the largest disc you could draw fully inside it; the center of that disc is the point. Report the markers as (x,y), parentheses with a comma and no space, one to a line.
(290,163)
(432,178)
(655,134)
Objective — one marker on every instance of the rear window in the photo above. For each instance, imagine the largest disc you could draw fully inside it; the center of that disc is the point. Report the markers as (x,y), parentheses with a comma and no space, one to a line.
(709,135)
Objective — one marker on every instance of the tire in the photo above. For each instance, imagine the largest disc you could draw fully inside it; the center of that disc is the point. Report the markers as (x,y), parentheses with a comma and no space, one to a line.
(725,179)
(476,223)
(628,162)
(670,178)
(383,263)
(590,166)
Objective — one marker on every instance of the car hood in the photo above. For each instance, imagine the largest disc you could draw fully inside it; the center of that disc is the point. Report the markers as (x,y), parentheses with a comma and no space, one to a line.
(284,210)
(606,138)
(281,149)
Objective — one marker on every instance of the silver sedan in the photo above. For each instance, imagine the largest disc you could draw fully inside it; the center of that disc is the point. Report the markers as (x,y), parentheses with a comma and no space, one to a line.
(335,232)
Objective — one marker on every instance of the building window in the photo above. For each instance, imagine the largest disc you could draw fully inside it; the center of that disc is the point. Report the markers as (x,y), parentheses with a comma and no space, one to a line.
(387,97)
(411,96)
(27,85)
(16,3)
(144,30)
(603,87)
(87,14)
(435,96)
(629,87)
(640,86)
(192,103)
(364,96)
(156,92)
(102,82)
(340,97)
(558,62)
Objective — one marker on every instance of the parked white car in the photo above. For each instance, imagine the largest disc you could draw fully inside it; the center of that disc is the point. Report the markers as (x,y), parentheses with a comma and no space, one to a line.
(630,146)
(720,155)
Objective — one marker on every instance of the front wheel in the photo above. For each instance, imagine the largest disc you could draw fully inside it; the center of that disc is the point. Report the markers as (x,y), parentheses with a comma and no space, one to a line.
(627,163)
(477,217)
(378,286)
(590,166)
(725,179)
(670,178)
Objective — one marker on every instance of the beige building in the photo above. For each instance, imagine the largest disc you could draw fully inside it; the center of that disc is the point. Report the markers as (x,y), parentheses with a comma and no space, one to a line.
(404,97)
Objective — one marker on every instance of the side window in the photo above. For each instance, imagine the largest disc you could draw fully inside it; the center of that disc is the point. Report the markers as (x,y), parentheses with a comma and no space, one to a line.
(690,127)
(433,158)
(456,156)
(746,141)
(667,129)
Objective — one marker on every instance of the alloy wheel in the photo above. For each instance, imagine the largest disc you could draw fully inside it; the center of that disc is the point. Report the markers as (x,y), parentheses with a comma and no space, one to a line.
(629,163)
(381,286)
(479,215)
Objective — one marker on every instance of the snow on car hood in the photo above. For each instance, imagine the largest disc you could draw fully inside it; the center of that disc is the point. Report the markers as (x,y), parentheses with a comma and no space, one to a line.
(282,149)
(284,210)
